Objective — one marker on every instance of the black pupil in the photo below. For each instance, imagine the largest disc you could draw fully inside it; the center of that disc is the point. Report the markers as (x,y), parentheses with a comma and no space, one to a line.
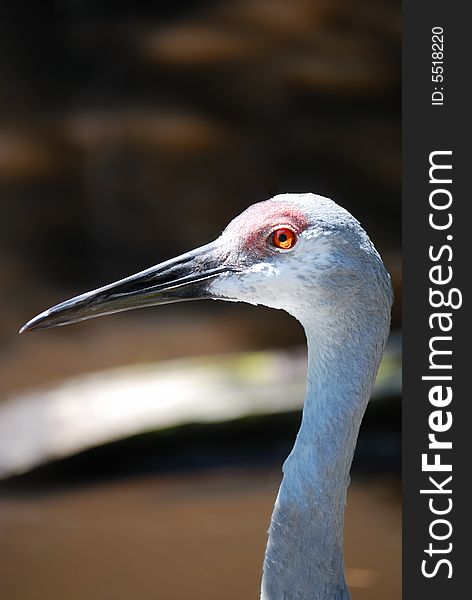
(282,237)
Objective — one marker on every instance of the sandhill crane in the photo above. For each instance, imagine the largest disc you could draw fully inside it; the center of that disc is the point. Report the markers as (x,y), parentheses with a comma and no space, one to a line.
(305,254)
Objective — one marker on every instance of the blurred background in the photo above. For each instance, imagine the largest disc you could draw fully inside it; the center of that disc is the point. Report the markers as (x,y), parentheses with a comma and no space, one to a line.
(140,454)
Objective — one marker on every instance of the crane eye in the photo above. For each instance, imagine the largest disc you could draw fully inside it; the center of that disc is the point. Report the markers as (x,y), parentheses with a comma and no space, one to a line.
(284,238)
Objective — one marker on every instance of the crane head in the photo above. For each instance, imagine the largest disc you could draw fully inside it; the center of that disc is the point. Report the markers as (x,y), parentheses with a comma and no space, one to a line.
(293,252)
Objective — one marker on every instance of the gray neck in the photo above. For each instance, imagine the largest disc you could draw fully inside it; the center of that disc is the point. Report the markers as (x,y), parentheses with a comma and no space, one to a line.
(304,556)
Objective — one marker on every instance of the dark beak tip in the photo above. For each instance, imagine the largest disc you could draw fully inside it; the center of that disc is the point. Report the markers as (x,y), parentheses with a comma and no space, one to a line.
(26,328)
(37,322)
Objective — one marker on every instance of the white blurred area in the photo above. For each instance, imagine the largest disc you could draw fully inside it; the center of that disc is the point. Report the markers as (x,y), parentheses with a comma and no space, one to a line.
(90,410)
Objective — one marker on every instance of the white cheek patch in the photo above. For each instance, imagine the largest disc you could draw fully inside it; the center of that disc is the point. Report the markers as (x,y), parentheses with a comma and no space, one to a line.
(263,283)
(250,286)
(231,288)
(266,269)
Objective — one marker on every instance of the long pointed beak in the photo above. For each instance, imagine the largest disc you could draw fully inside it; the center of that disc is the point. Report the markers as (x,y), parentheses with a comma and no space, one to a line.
(183,278)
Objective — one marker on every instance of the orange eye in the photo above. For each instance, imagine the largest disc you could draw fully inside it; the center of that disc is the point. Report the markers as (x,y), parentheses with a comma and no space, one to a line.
(284,238)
